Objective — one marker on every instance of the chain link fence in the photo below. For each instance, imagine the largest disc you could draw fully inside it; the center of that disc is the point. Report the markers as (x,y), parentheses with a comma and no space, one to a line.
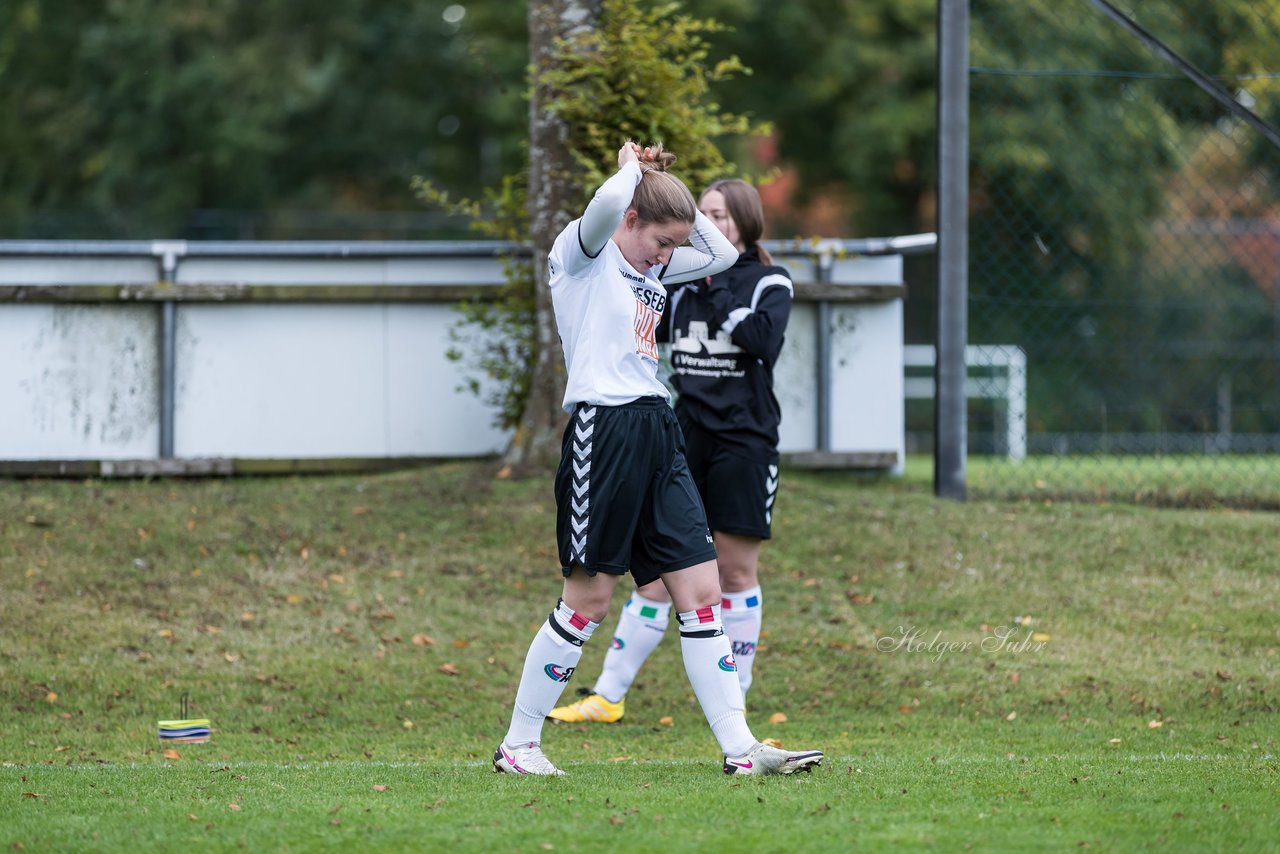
(1124,255)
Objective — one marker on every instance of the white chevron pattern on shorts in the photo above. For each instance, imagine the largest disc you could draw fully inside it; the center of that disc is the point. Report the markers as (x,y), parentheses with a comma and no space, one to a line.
(580,504)
(771,487)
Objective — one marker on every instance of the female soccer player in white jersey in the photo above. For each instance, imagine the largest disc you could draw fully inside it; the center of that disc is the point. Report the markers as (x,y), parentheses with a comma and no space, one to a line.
(624,496)
(726,334)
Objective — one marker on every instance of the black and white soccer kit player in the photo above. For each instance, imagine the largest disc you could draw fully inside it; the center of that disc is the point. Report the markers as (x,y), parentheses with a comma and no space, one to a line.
(726,335)
(625,498)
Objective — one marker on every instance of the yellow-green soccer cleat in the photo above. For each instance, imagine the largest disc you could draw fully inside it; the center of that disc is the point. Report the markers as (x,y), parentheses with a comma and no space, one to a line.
(591,709)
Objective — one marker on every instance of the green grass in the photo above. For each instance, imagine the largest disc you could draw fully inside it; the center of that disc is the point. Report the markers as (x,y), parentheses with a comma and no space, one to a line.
(1160,480)
(356,642)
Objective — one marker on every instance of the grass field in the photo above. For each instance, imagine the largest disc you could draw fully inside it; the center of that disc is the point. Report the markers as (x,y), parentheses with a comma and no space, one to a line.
(1170,480)
(997,675)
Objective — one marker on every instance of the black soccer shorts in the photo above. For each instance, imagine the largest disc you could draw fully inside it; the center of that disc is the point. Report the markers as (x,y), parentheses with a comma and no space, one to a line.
(625,500)
(737,492)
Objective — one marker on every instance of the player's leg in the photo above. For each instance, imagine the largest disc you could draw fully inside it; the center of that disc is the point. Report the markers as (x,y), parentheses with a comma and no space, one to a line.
(549,664)
(640,627)
(675,539)
(739,495)
(742,603)
(595,518)
(708,657)
(710,668)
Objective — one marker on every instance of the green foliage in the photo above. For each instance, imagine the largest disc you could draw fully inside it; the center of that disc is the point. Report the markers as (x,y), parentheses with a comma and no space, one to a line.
(850,88)
(643,75)
(132,114)
(1094,164)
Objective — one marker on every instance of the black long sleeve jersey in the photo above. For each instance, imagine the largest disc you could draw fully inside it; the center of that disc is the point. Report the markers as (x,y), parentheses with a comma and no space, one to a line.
(726,335)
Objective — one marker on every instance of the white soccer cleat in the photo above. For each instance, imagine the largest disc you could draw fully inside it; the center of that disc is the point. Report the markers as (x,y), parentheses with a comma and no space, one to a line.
(766,759)
(528,759)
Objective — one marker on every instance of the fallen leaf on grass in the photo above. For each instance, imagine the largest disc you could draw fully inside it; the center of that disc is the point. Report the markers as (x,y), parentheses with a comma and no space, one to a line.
(1114,741)
(379,787)
(192,817)
(667,720)
(423,640)
(905,709)
(170,753)
(1011,716)
(777,718)
(462,644)
(233,807)
(449,669)
(1040,637)
(33,795)
(1154,724)
(408,724)
(51,697)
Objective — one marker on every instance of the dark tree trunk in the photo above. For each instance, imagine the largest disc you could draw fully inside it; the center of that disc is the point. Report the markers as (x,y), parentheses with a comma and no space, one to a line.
(554,196)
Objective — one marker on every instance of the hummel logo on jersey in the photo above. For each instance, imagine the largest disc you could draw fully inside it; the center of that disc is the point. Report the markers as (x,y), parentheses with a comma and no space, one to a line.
(626,274)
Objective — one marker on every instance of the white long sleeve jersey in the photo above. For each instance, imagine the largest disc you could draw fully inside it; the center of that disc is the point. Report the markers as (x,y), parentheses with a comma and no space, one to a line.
(606,310)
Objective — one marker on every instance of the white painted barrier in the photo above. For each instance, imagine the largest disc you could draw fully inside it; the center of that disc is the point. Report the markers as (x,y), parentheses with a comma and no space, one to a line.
(336,354)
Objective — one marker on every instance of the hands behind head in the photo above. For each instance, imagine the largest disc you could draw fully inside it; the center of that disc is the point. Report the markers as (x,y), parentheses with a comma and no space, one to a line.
(629,153)
(649,157)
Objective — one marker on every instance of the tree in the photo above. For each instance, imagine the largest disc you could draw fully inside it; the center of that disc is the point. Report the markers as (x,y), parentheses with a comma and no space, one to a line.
(551,194)
(135,113)
(603,72)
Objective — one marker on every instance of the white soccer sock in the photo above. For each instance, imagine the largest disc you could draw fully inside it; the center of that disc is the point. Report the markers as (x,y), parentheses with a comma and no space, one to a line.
(549,664)
(743,614)
(708,660)
(639,631)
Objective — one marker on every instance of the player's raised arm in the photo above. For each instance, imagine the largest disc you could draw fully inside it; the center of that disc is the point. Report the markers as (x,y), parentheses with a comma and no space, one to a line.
(610,202)
(710,253)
